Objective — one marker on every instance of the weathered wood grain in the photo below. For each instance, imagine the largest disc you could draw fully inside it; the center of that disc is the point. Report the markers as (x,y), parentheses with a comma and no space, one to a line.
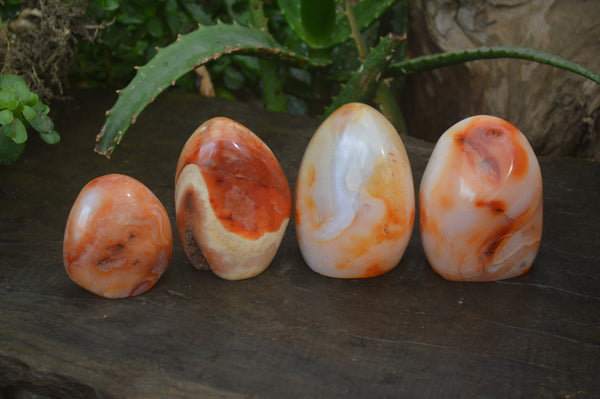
(558,111)
(288,332)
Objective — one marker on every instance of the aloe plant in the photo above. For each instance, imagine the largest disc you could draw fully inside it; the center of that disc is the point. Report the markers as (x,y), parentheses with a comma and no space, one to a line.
(185,54)
(314,24)
(364,82)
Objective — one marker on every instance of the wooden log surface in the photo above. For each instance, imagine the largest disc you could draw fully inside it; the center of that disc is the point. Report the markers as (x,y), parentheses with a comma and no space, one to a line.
(288,332)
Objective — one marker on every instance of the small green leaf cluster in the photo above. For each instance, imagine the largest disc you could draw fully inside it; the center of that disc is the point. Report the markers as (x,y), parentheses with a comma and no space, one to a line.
(20,108)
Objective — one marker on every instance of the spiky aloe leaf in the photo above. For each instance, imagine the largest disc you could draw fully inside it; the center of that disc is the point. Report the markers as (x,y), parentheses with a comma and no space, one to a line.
(429,62)
(185,54)
(364,81)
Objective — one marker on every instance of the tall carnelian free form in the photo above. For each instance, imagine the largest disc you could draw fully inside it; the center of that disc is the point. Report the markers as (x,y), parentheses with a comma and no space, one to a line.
(480,202)
(355,202)
(232,200)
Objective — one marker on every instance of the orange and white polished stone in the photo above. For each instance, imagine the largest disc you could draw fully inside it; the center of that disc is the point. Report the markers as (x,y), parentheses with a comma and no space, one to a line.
(232,200)
(118,238)
(480,202)
(355,203)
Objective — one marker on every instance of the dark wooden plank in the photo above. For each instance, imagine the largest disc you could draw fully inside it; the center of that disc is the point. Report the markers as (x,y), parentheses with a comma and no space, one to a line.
(288,332)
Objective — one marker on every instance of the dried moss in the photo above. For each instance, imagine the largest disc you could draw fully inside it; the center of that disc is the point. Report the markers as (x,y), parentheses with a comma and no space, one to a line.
(40,44)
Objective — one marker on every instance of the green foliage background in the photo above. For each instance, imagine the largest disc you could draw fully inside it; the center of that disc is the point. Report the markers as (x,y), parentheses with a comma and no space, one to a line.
(134,28)
(342,51)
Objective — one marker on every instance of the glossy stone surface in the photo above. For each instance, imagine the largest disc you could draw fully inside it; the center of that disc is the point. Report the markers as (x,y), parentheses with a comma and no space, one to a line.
(118,238)
(408,333)
(480,202)
(232,200)
(355,202)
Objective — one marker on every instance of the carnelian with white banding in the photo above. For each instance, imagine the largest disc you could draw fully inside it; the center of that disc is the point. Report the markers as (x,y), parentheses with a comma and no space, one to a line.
(480,202)
(118,238)
(355,203)
(232,200)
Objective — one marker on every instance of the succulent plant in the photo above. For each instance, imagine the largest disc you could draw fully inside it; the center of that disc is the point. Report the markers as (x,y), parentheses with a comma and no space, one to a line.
(21,108)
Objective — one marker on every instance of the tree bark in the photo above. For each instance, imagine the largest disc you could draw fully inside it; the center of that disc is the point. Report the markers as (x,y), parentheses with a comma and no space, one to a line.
(557,110)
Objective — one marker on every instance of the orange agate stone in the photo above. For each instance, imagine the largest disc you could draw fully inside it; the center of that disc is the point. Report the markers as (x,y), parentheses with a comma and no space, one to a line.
(480,202)
(232,200)
(355,202)
(118,238)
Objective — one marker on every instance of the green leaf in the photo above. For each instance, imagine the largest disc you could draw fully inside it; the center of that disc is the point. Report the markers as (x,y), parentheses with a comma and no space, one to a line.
(20,132)
(233,79)
(7,95)
(29,113)
(9,130)
(318,20)
(16,106)
(366,11)
(273,94)
(248,64)
(6,117)
(149,9)
(429,62)
(198,13)
(186,53)
(220,65)
(31,99)
(41,108)
(9,150)
(231,10)
(129,19)
(23,92)
(16,131)
(140,47)
(50,138)
(10,80)
(155,27)
(222,92)
(110,5)
(301,75)
(42,123)
(171,6)
(174,22)
(364,81)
